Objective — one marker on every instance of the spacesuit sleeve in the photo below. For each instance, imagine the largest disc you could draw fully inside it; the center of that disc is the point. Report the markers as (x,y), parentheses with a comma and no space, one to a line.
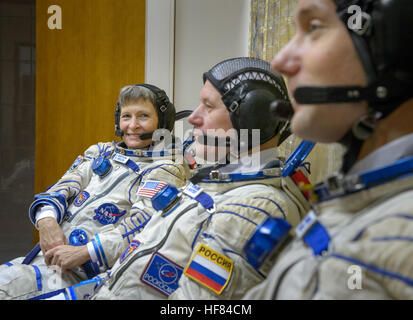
(218,268)
(111,242)
(378,260)
(69,186)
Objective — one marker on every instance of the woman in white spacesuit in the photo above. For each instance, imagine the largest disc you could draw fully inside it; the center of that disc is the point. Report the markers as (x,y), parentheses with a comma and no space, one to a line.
(352,83)
(98,192)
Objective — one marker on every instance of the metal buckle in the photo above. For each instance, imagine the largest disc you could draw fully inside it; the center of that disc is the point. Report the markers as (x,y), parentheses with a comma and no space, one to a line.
(353,183)
(234,106)
(272,172)
(138,152)
(215,175)
(363,128)
(212,210)
(335,184)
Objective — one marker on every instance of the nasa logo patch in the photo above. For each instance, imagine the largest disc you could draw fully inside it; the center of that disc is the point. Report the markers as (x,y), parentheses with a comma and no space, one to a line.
(108,213)
(162,274)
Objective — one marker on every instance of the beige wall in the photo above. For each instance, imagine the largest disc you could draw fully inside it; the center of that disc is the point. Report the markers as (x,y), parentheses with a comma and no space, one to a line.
(206,32)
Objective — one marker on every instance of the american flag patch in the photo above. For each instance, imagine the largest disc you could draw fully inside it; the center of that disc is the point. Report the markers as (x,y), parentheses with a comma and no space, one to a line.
(150,188)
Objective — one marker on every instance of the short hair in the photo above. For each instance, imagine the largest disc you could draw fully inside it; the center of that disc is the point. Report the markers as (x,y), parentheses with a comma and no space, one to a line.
(133,93)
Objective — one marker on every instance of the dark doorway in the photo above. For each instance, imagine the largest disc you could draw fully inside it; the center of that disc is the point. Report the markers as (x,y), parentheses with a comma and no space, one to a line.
(17,125)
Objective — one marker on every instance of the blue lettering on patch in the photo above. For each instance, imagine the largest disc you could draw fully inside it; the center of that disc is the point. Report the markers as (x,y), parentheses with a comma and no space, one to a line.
(162,274)
(108,213)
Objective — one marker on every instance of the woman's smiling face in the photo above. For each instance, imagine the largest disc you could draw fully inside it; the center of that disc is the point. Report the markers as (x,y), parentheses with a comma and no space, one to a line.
(135,119)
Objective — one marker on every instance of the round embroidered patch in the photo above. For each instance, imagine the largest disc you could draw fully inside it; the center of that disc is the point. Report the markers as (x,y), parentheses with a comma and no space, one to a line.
(108,213)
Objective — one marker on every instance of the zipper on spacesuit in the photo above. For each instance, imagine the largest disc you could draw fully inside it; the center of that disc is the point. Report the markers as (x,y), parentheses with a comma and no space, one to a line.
(149,250)
(111,187)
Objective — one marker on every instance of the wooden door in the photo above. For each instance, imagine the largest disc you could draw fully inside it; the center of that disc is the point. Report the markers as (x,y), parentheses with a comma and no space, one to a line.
(80,69)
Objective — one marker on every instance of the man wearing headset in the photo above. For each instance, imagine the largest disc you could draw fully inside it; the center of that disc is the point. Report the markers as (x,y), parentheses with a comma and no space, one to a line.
(200,244)
(350,71)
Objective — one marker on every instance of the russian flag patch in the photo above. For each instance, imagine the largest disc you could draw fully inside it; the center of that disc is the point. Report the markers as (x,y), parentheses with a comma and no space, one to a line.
(150,188)
(210,268)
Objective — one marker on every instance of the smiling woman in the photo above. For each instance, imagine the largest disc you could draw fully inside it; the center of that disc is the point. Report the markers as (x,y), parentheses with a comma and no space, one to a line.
(135,119)
(138,115)
(99,189)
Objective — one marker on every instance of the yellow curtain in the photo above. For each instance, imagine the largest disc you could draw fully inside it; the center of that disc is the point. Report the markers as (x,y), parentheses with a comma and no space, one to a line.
(271,27)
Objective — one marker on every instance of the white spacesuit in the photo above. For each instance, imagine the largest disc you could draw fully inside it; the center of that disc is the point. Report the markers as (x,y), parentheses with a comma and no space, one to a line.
(357,244)
(206,225)
(99,191)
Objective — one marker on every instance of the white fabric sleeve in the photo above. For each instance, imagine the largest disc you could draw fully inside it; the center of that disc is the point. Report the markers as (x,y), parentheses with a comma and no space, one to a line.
(92,252)
(45,211)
